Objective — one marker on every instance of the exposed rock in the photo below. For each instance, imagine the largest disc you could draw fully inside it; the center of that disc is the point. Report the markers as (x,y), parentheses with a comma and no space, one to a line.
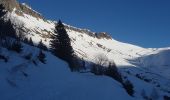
(103,35)
(27,10)
(88,32)
(9,5)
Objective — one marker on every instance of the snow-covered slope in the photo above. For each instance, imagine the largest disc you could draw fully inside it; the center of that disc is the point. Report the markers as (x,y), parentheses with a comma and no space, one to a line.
(146,67)
(85,44)
(23,80)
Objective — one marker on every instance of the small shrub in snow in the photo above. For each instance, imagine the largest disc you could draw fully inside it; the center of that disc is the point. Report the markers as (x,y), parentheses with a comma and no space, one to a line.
(4,58)
(41,57)
(28,56)
(25,40)
(30,42)
(34,62)
(25,74)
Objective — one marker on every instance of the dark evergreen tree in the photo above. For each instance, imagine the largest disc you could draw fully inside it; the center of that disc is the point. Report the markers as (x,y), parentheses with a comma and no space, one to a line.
(42,46)
(128,86)
(28,56)
(25,40)
(3,58)
(6,27)
(61,44)
(41,57)
(97,69)
(2,10)
(16,46)
(2,13)
(30,42)
(113,72)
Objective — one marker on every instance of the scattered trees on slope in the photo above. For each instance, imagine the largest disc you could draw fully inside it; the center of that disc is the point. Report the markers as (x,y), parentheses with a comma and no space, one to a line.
(128,86)
(103,66)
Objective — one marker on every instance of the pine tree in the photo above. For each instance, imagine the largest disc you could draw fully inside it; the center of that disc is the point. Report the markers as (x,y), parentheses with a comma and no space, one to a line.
(113,72)
(128,86)
(16,46)
(30,42)
(42,46)
(6,27)
(2,11)
(61,44)
(25,40)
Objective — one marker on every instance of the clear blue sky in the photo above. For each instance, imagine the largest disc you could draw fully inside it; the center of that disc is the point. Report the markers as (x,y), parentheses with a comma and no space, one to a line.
(142,22)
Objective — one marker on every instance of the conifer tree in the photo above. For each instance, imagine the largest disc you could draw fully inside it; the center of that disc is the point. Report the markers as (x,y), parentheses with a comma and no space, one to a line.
(2,11)
(30,42)
(42,46)
(61,44)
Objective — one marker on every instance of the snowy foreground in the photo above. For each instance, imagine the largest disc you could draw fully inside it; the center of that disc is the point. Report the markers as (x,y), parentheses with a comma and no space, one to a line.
(54,81)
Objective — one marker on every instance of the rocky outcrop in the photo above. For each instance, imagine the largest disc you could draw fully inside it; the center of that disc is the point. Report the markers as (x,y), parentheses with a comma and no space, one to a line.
(9,5)
(100,35)
(27,10)
(103,35)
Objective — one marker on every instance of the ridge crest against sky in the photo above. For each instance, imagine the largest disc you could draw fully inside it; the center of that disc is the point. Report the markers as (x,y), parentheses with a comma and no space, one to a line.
(141,22)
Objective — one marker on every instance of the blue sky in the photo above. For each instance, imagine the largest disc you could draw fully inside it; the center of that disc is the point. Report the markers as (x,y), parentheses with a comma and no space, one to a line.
(141,22)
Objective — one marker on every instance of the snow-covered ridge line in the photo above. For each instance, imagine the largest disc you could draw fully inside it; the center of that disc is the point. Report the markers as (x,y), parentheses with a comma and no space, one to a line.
(99,35)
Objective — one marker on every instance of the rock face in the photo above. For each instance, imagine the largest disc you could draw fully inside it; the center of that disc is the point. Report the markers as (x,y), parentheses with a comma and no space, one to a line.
(9,5)
(27,10)
(100,35)
(103,35)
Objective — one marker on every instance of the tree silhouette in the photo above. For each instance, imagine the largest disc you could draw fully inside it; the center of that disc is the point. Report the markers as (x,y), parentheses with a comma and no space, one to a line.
(42,46)
(6,27)
(61,44)
(30,42)
(41,57)
(2,11)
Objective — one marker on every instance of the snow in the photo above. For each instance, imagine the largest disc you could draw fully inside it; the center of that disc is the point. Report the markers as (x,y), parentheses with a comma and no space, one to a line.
(152,63)
(54,81)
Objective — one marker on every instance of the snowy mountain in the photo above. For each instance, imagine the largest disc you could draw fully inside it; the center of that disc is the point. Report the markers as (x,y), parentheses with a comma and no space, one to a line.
(147,68)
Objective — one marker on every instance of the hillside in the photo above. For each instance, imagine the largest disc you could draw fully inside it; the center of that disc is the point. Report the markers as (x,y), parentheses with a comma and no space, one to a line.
(147,68)
(22,79)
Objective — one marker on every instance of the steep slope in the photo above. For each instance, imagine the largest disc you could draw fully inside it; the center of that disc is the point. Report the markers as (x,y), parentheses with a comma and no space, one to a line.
(146,68)
(22,79)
